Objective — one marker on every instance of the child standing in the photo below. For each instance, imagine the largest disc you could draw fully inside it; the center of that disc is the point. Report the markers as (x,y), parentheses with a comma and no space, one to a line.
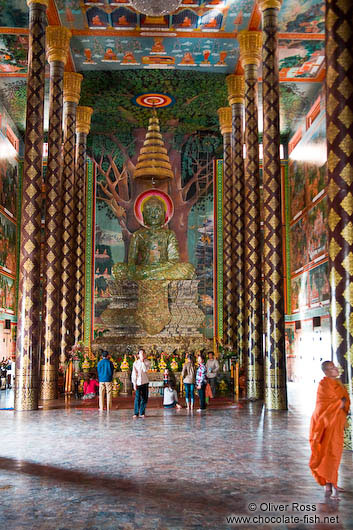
(201,381)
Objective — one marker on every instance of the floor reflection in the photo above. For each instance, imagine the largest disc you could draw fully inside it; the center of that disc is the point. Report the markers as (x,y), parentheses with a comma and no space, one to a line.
(70,467)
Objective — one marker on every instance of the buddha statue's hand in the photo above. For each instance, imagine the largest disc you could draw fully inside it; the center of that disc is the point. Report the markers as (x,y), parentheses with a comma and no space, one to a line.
(119,271)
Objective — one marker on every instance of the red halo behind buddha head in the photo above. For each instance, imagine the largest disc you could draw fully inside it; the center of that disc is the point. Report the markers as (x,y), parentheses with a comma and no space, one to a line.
(159,194)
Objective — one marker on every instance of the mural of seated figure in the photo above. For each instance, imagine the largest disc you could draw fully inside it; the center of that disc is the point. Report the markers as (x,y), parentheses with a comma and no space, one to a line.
(154,250)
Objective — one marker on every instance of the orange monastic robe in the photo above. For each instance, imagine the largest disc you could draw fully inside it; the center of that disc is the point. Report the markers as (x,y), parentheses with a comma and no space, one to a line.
(326,430)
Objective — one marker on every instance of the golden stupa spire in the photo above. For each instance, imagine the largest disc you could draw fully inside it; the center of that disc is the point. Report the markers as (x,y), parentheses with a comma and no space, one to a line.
(153,161)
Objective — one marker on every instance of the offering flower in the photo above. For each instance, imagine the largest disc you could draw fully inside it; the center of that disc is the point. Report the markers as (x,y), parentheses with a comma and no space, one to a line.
(174,365)
(125,365)
(162,364)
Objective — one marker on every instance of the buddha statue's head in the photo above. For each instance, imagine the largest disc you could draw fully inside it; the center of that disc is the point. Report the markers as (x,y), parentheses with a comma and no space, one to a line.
(154,213)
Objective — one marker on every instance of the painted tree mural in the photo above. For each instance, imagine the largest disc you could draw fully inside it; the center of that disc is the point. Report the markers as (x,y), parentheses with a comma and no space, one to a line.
(189,128)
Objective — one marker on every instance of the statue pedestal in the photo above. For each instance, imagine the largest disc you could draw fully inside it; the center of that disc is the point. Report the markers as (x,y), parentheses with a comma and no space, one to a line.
(182,331)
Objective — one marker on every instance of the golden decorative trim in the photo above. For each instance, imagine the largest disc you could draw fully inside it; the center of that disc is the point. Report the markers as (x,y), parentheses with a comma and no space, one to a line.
(269,4)
(153,160)
(58,40)
(83,119)
(72,86)
(236,88)
(42,2)
(250,44)
(153,149)
(159,173)
(147,157)
(225,119)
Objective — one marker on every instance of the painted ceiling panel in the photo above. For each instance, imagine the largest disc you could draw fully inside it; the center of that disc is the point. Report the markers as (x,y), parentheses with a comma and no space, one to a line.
(112,53)
(212,16)
(200,38)
(201,35)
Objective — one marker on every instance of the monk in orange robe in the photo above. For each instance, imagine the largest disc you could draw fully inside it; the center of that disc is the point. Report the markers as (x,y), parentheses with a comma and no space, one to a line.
(327,428)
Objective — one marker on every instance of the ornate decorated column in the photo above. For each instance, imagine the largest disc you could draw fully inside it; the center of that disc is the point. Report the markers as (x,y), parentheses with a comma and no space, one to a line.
(339,120)
(250,53)
(72,89)
(58,39)
(83,123)
(273,290)
(28,327)
(225,121)
(235,85)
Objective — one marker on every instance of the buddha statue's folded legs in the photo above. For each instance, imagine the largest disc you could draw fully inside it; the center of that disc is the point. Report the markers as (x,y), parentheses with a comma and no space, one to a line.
(160,271)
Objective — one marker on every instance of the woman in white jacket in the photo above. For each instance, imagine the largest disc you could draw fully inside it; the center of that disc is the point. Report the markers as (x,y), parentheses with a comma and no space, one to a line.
(139,378)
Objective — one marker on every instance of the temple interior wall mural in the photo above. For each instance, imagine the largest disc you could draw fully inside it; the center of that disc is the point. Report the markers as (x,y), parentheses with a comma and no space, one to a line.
(10,145)
(308,326)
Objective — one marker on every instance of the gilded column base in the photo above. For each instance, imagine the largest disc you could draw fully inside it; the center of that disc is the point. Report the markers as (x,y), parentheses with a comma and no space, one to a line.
(26,393)
(254,386)
(48,383)
(48,390)
(276,398)
(275,391)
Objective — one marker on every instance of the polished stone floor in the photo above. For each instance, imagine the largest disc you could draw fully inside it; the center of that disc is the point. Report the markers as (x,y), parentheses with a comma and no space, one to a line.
(75,468)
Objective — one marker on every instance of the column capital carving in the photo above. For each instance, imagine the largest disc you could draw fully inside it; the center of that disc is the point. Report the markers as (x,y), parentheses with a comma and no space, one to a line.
(269,4)
(250,44)
(72,86)
(83,119)
(225,119)
(58,40)
(42,2)
(236,88)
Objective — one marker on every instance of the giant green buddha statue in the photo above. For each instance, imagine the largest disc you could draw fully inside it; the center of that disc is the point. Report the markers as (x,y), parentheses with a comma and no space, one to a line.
(154,250)
(153,262)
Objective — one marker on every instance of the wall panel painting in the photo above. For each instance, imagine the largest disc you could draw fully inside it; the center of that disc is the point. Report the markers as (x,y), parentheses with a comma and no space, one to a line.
(300,292)
(299,248)
(13,53)
(307,180)
(301,58)
(307,167)
(290,355)
(7,244)
(317,231)
(200,247)
(109,249)
(7,294)
(8,183)
(316,170)
(307,17)
(319,285)
(297,187)
(316,181)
